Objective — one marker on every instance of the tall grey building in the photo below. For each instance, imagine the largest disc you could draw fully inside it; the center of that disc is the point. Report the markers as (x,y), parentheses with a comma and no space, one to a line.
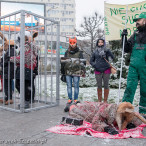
(63,11)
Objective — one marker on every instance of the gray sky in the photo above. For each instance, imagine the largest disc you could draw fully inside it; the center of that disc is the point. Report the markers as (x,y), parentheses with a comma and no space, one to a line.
(88,7)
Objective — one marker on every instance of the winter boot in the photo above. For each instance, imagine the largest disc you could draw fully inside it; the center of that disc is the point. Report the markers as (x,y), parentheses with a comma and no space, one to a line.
(99,92)
(1,100)
(76,101)
(106,93)
(8,102)
(66,109)
(26,105)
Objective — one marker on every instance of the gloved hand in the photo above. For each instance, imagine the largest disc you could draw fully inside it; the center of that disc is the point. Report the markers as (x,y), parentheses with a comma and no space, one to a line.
(124,33)
(110,130)
(130,126)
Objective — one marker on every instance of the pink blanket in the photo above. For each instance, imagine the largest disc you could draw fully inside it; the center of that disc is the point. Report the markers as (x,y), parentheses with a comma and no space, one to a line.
(86,129)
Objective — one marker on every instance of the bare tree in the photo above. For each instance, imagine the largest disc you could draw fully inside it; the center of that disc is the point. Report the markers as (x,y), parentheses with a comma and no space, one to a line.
(85,47)
(91,28)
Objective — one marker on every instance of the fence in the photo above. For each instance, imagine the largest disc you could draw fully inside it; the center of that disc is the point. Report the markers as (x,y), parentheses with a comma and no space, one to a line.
(28,69)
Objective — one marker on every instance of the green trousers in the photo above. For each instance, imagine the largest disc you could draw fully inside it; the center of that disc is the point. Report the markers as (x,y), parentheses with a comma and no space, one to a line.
(137,72)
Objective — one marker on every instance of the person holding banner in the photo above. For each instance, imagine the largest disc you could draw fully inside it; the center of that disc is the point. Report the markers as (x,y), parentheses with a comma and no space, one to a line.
(102,68)
(136,45)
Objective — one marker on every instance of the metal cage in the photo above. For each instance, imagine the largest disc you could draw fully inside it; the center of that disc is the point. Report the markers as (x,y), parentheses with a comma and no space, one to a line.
(44,86)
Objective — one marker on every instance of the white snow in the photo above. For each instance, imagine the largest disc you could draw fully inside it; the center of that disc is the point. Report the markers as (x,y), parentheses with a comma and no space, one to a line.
(90,94)
(87,93)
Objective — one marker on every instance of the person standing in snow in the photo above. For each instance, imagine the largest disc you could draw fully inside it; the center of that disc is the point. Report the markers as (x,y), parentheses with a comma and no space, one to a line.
(102,68)
(136,45)
(30,64)
(73,52)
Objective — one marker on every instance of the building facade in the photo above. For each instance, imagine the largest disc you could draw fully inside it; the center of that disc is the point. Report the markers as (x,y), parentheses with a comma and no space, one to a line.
(63,11)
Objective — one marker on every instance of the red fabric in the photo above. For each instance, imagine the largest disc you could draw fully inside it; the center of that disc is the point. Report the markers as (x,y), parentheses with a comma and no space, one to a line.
(86,129)
(30,56)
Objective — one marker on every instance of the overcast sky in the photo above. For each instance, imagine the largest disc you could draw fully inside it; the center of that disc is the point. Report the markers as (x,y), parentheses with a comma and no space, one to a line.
(88,7)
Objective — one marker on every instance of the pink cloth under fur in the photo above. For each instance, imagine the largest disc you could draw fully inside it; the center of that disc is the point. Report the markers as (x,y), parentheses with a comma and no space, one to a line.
(86,129)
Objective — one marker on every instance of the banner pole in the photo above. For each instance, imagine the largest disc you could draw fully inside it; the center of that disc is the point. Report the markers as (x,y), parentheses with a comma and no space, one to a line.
(122,56)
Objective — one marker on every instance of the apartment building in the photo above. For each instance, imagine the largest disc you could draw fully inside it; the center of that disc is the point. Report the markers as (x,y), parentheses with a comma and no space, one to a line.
(63,11)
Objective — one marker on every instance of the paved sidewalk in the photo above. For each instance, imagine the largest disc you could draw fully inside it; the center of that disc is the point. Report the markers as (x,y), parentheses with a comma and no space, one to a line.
(18,129)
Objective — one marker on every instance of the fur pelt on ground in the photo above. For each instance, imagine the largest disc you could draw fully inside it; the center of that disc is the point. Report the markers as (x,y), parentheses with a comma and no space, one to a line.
(125,114)
(103,114)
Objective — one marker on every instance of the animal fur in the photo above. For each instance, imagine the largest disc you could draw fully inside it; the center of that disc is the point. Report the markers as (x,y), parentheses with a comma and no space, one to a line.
(6,43)
(125,114)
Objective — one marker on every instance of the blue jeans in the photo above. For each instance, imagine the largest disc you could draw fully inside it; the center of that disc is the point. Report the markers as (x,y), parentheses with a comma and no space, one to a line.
(69,86)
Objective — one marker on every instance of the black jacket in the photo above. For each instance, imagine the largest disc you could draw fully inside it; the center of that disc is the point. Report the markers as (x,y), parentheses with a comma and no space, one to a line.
(27,73)
(98,61)
(8,69)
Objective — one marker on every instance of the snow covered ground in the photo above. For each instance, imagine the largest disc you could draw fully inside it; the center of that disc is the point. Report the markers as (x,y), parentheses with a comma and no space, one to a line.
(85,94)
(90,94)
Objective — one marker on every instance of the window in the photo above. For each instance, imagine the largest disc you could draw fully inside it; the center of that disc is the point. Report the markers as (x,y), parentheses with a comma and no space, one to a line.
(63,33)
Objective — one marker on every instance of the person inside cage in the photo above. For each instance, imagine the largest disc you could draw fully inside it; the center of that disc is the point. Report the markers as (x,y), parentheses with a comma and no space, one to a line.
(1,75)
(7,68)
(30,63)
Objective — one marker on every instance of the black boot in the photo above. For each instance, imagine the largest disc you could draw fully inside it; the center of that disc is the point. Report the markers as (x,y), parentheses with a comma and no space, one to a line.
(26,105)
(66,109)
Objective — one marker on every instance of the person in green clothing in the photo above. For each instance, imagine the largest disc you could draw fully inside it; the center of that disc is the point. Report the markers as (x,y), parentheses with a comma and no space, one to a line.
(136,45)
